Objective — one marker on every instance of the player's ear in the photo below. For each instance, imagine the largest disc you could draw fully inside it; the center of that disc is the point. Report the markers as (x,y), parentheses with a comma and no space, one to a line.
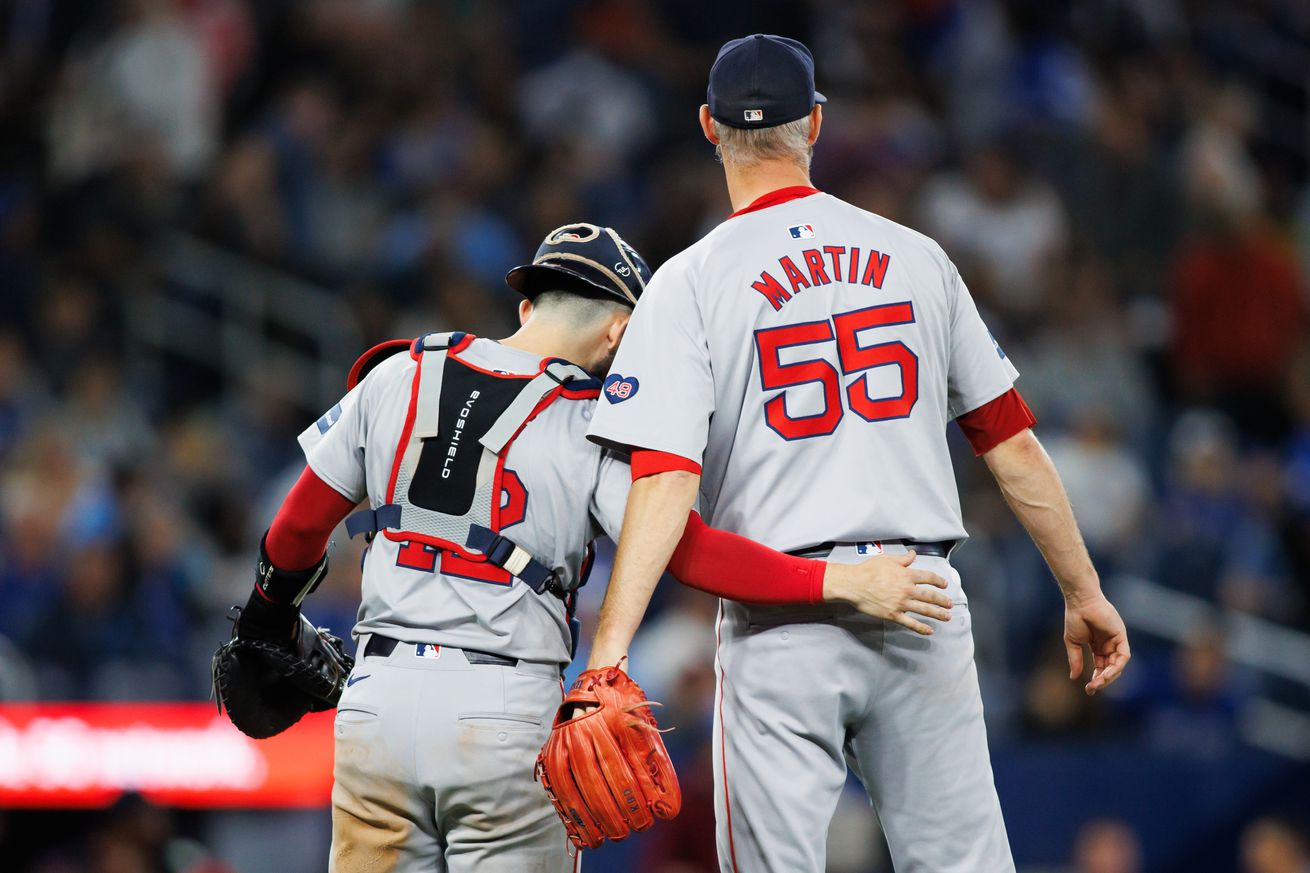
(617,328)
(707,124)
(816,122)
(525,310)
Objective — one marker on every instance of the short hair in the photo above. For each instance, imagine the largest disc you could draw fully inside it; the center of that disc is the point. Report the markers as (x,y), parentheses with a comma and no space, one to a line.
(746,147)
(577,308)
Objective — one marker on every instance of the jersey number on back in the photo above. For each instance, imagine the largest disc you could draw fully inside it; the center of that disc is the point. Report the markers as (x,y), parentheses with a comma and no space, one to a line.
(853,357)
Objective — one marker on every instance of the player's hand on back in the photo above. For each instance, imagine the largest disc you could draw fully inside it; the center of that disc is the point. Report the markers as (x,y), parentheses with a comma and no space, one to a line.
(887,587)
(1093,623)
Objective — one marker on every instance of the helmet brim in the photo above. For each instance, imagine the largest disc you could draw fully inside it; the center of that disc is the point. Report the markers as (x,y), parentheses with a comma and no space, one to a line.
(533,279)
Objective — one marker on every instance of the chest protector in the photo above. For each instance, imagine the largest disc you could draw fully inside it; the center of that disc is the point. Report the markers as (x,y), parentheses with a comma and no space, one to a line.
(449,468)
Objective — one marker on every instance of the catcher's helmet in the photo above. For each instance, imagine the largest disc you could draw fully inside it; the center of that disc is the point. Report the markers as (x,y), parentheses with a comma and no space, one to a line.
(583,259)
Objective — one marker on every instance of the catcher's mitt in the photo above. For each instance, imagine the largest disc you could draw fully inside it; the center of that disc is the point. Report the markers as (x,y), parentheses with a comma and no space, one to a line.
(267,686)
(606,771)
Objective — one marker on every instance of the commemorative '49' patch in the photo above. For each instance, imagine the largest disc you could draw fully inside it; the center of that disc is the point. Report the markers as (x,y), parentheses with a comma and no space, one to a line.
(620,388)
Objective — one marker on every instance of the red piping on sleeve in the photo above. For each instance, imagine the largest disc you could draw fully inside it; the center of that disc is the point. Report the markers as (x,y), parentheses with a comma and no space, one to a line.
(648,462)
(300,531)
(733,567)
(996,421)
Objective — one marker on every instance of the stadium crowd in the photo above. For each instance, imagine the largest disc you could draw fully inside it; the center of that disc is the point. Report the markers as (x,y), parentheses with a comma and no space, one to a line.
(1122,185)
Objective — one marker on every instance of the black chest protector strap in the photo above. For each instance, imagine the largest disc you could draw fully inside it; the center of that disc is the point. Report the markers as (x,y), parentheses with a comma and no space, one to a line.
(514,559)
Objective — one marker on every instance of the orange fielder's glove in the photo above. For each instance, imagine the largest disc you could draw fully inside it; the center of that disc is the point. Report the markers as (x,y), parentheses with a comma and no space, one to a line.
(607,771)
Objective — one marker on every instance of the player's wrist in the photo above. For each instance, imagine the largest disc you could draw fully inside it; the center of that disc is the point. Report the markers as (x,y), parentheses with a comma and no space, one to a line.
(262,619)
(836,583)
(1082,594)
(606,653)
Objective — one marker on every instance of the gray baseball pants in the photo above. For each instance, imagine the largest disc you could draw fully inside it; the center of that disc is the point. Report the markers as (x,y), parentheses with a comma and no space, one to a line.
(434,767)
(805,692)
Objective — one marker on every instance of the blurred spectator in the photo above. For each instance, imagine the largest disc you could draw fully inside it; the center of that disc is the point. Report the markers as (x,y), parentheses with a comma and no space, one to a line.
(1055,707)
(1195,709)
(1273,845)
(1107,486)
(1256,576)
(1202,505)
(1120,186)
(610,112)
(1106,846)
(1004,228)
(21,394)
(1233,351)
(145,88)
(1084,363)
(112,428)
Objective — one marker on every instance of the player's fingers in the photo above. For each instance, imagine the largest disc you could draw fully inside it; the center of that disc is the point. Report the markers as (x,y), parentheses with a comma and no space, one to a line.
(1104,677)
(904,560)
(927,577)
(1075,653)
(1122,651)
(1110,667)
(917,626)
(931,610)
(932,595)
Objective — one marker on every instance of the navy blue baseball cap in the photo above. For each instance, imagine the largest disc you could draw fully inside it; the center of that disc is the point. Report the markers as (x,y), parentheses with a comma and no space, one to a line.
(762,81)
(583,259)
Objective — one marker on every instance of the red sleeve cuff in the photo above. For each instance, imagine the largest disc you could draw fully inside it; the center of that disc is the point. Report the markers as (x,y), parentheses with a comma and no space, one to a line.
(648,462)
(996,421)
(299,533)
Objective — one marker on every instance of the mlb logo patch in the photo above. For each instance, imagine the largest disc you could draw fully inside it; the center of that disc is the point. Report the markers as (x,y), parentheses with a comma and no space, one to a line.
(331,417)
(869,548)
(754,114)
(802,231)
(427,650)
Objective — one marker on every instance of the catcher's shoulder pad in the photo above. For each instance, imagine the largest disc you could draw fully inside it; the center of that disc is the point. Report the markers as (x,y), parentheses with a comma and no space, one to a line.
(374,356)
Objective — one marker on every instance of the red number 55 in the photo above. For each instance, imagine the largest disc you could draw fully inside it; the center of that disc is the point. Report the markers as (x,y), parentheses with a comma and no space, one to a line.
(845,328)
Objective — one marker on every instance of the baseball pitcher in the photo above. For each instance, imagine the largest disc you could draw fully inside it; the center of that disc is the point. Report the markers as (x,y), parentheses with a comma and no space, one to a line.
(481,500)
(796,369)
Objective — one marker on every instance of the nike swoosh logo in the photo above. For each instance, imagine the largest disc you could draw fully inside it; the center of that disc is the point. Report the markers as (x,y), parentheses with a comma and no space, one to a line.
(353,679)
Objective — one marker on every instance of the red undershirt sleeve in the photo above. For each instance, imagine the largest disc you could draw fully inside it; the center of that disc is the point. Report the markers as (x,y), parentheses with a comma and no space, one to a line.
(648,462)
(996,421)
(733,567)
(299,533)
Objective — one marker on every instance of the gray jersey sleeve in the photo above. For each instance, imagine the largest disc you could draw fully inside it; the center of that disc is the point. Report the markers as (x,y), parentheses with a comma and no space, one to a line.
(660,391)
(610,498)
(978,370)
(334,445)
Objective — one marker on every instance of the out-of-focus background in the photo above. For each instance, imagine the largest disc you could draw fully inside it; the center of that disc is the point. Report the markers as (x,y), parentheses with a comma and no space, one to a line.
(208,208)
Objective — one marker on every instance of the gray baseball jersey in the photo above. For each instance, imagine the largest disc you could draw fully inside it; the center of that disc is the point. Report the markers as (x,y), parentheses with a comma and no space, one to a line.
(560,492)
(809,355)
